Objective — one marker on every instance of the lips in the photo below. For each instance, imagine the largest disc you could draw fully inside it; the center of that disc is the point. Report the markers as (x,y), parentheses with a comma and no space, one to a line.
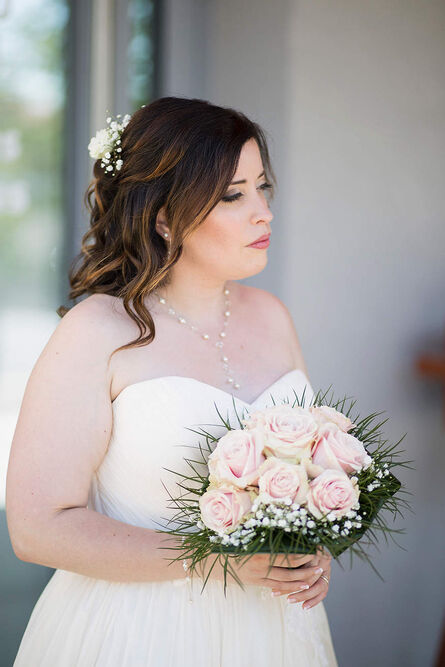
(261,239)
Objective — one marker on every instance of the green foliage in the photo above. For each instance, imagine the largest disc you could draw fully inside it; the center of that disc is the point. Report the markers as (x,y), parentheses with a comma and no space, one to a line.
(194,543)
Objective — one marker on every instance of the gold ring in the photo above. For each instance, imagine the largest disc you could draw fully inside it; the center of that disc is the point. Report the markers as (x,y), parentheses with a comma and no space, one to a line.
(325,578)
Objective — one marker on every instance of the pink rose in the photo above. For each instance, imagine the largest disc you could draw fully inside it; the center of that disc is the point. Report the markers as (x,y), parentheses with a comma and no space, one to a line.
(224,507)
(237,457)
(280,479)
(338,450)
(324,413)
(290,432)
(332,491)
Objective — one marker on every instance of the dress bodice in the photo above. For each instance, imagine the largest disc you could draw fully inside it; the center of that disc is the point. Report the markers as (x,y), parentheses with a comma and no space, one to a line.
(151,436)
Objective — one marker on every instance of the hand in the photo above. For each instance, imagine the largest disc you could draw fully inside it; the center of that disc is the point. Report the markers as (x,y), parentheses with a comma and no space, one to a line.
(286,575)
(318,591)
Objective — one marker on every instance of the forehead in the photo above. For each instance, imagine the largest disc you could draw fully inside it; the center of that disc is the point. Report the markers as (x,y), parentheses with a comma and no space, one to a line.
(249,160)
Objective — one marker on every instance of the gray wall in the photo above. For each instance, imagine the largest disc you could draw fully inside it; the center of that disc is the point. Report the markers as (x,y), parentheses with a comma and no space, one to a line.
(352,95)
(367,154)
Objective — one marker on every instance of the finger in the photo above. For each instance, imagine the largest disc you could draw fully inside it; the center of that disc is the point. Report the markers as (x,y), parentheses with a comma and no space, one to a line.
(291,560)
(287,587)
(296,588)
(320,588)
(315,562)
(322,551)
(306,576)
(311,603)
(324,561)
(325,557)
(326,568)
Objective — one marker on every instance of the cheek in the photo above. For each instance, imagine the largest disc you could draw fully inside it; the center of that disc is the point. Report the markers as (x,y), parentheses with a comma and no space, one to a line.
(217,233)
(220,241)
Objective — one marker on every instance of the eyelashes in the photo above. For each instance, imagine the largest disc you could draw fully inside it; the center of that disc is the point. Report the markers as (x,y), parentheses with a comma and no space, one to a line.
(229,198)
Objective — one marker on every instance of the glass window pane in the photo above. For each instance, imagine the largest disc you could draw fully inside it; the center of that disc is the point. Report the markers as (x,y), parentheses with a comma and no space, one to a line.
(32,93)
(141,53)
(32,108)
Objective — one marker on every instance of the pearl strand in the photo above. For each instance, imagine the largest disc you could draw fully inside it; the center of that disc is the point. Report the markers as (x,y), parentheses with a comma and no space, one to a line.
(205,336)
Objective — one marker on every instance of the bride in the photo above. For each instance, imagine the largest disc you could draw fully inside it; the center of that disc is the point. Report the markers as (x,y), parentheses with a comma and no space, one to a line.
(180,212)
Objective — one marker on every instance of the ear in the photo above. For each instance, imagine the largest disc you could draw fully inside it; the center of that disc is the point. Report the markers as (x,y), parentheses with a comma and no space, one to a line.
(161,225)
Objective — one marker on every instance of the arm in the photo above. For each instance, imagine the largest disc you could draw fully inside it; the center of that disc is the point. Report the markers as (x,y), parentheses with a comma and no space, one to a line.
(61,437)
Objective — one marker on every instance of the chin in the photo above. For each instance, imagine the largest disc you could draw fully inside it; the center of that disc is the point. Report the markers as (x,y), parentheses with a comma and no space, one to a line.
(250,269)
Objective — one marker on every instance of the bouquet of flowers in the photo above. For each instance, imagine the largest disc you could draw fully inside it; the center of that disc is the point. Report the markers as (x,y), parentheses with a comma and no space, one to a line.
(288,479)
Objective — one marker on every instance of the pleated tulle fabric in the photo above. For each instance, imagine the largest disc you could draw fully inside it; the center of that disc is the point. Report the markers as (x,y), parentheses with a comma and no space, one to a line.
(80,621)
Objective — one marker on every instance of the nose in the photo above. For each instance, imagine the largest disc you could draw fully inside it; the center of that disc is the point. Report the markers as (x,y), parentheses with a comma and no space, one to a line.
(262,213)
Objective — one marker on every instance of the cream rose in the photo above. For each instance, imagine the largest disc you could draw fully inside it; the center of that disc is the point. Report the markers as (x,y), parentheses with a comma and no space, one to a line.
(237,457)
(280,479)
(324,413)
(335,449)
(332,491)
(290,431)
(223,508)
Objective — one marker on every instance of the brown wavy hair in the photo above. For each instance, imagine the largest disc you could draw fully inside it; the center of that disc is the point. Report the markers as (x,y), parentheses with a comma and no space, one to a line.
(178,153)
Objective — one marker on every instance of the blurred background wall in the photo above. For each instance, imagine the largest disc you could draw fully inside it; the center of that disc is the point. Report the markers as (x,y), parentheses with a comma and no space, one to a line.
(351,96)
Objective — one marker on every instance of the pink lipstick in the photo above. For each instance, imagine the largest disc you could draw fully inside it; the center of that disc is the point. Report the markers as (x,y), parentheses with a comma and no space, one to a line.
(261,242)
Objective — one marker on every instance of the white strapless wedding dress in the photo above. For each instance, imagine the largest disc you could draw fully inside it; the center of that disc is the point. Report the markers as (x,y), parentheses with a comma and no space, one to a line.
(80,621)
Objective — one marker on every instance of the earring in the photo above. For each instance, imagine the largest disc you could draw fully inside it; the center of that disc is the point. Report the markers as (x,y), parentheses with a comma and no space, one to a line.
(165,235)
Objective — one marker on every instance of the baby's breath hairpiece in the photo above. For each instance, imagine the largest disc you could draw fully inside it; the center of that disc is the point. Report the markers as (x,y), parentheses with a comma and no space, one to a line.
(107,141)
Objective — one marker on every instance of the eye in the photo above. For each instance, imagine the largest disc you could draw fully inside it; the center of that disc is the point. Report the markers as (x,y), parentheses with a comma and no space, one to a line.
(234,197)
(266,186)
(229,198)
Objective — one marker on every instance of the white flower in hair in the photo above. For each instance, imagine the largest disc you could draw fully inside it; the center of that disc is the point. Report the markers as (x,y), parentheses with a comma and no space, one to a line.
(100,144)
(107,141)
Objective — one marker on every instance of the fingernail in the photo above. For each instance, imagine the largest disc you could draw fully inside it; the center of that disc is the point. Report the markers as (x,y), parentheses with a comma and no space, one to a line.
(303,588)
(275,593)
(306,607)
(319,570)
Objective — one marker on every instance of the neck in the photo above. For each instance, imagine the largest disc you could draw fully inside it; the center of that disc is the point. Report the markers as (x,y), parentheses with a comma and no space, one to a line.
(199,300)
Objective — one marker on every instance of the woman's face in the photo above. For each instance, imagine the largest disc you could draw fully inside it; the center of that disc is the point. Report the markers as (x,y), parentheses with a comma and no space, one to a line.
(220,245)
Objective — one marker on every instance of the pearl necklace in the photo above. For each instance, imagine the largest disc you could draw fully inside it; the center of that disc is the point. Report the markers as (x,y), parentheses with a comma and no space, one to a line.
(219,343)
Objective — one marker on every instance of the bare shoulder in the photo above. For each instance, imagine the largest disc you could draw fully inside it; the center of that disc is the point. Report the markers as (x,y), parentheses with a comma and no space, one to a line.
(263,302)
(83,341)
(98,310)
(101,319)
(261,298)
(271,309)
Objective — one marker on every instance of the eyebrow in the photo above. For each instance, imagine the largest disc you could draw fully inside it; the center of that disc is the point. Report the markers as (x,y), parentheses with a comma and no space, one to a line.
(243,181)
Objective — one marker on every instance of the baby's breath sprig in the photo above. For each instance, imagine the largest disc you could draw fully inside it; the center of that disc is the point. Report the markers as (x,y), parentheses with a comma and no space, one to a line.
(106,144)
(281,526)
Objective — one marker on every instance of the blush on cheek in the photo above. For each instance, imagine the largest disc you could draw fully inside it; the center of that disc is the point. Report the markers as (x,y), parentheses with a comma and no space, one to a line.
(218,247)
